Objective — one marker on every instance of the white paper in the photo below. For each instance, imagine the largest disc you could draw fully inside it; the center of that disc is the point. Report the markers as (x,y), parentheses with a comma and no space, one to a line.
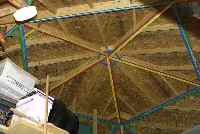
(34,107)
(15,83)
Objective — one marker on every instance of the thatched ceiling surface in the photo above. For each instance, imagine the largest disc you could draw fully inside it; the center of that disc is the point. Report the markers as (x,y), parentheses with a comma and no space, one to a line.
(65,48)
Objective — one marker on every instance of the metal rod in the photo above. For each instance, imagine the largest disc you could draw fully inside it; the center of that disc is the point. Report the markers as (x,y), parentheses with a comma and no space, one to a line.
(24,53)
(185,37)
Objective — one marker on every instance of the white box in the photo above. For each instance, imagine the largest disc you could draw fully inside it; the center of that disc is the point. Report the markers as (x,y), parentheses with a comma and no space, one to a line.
(14,81)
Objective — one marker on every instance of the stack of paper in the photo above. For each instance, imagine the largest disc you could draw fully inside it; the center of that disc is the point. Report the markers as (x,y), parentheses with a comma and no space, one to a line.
(15,83)
(34,106)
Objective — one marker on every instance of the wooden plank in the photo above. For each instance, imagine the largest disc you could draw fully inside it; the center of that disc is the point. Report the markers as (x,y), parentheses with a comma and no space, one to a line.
(114,94)
(17,3)
(7,10)
(95,125)
(113,89)
(95,6)
(187,67)
(152,51)
(162,27)
(60,60)
(182,109)
(90,3)
(100,5)
(46,105)
(24,126)
(7,20)
(32,42)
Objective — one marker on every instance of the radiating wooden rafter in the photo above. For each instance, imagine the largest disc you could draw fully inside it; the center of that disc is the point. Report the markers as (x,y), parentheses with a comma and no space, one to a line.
(76,41)
(116,103)
(163,50)
(75,72)
(145,22)
(136,65)
(187,67)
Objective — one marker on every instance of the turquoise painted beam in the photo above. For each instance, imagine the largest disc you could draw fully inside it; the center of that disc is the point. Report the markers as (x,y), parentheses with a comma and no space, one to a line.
(173,100)
(85,129)
(141,116)
(185,37)
(114,129)
(11,31)
(132,131)
(29,2)
(102,11)
(99,120)
(23,49)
